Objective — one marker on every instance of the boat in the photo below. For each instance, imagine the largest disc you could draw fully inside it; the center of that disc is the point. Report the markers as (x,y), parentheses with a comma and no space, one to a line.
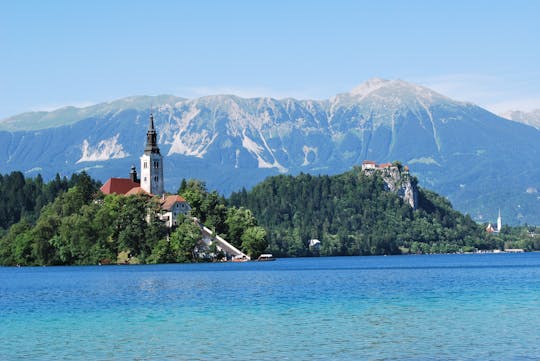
(240,258)
(266,257)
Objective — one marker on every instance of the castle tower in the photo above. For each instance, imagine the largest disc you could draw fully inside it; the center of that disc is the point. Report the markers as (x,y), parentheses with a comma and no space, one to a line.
(152,163)
(499,221)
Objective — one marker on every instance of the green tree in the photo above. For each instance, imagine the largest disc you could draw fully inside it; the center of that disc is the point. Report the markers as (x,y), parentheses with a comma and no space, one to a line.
(238,221)
(254,241)
(184,241)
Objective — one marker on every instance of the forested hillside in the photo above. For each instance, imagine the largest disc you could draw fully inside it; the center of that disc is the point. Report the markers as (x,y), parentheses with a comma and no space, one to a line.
(353,214)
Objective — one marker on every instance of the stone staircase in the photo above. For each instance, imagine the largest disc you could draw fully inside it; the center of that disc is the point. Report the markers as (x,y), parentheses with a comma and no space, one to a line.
(230,251)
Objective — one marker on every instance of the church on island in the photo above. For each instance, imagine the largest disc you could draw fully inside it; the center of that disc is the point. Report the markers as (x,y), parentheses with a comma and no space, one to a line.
(151,181)
(151,184)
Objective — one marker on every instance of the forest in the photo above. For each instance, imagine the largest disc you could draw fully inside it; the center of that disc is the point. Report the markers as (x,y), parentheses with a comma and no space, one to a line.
(22,197)
(353,214)
(70,222)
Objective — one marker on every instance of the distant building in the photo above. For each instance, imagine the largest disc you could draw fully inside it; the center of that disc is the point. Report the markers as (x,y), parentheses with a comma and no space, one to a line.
(368,164)
(171,207)
(152,163)
(118,186)
(491,229)
(314,244)
(151,181)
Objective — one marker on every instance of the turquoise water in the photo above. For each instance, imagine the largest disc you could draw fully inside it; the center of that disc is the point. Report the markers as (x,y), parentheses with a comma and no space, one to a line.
(466,307)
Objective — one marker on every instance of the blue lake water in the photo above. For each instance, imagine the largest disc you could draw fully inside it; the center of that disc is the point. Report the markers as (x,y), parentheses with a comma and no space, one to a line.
(466,307)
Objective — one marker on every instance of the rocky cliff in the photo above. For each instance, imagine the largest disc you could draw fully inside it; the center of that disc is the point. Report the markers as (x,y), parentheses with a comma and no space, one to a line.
(398,180)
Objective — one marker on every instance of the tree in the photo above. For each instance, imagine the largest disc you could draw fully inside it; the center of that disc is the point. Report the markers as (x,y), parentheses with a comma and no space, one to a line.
(184,241)
(254,241)
(194,192)
(238,221)
(131,224)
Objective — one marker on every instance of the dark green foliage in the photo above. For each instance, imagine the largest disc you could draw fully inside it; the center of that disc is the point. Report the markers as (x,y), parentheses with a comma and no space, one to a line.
(81,226)
(181,246)
(77,227)
(22,197)
(524,237)
(237,225)
(209,207)
(352,214)
(254,241)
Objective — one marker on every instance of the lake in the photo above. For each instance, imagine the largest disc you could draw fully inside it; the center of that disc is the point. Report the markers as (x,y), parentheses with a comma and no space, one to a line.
(429,307)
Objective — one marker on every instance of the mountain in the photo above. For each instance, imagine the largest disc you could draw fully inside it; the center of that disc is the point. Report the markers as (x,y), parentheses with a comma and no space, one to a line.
(480,161)
(70,115)
(531,118)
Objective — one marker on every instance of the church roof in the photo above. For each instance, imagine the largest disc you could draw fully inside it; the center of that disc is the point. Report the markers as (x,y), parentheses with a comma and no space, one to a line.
(118,186)
(137,190)
(169,201)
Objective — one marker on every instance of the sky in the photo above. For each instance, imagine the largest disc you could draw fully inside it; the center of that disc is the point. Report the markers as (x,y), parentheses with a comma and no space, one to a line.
(58,53)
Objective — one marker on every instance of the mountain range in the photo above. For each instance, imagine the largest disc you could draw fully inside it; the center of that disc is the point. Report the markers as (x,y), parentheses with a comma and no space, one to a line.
(480,161)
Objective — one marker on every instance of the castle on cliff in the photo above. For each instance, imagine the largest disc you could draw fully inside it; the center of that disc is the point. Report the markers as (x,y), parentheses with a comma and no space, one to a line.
(396,178)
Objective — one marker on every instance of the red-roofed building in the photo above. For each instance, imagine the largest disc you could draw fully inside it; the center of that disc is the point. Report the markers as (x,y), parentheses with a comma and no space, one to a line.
(368,164)
(121,185)
(137,190)
(118,186)
(171,207)
(151,182)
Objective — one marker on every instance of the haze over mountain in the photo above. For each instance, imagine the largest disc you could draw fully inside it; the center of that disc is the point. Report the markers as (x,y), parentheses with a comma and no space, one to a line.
(531,118)
(480,161)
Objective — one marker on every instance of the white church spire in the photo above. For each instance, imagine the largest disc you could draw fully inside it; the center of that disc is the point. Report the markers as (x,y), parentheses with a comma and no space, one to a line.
(152,163)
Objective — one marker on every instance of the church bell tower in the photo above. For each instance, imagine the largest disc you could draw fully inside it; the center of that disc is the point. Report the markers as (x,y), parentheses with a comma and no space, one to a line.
(152,163)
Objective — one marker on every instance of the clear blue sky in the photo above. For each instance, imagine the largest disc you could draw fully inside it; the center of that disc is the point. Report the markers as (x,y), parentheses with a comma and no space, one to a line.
(56,53)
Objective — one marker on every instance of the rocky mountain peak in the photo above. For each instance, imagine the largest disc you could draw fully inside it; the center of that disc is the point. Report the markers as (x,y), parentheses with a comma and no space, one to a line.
(394,88)
(369,86)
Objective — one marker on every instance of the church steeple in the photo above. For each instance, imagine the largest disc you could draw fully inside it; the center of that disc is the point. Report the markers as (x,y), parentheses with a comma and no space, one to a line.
(152,162)
(151,138)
